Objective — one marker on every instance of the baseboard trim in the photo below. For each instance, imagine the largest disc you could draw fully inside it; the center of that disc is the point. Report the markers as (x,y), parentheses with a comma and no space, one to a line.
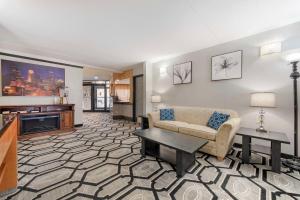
(283,155)
(78,125)
(122,117)
(96,111)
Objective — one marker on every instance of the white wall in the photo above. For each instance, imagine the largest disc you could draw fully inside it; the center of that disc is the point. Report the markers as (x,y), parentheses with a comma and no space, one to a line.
(73,79)
(148,90)
(138,69)
(268,73)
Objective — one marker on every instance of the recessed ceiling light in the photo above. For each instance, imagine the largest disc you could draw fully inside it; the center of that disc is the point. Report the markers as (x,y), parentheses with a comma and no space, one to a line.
(96,77)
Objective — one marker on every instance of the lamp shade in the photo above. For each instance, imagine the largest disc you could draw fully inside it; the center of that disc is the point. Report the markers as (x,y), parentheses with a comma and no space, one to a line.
(155,99)
(263,99)
(292,55)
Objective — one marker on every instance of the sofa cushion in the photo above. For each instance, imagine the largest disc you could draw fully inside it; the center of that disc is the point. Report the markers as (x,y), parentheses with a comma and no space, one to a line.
(217,119)
(198,131)
(198,115)
(167,114)
(170,125)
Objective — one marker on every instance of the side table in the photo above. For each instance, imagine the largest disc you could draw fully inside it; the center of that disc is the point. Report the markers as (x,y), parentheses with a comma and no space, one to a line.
(144,122)
(276,139)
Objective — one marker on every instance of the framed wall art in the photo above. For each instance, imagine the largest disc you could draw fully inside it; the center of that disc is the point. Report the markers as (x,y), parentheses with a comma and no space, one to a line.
(182,73)
(227,66)
(26,79)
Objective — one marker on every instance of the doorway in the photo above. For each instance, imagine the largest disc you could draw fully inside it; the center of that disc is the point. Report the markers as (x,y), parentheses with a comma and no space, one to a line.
(96,97)
(138,96)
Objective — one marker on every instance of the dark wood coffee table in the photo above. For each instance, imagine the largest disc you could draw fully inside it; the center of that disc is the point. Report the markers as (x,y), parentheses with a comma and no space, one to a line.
(186,146)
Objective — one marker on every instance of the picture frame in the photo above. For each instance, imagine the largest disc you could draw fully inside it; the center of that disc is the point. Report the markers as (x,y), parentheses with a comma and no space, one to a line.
(227,66)
(182,73)
(20,78)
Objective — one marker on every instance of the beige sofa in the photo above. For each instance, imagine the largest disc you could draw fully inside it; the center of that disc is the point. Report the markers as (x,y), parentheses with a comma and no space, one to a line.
(193,121)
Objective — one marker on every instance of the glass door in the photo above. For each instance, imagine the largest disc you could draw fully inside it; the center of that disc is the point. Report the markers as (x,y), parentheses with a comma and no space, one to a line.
(99,98)
(96,96)
(87,98)
(109,102)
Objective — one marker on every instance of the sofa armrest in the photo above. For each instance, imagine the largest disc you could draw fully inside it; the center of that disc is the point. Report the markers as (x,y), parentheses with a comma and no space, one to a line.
(152,118)
(225,136)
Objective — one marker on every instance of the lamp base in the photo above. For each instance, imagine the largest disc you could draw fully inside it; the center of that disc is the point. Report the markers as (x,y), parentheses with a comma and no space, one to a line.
(261,121)
(261,129)
(292,163)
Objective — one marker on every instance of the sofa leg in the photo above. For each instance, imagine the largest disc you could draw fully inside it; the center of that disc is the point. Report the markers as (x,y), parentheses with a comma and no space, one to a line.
(219,158)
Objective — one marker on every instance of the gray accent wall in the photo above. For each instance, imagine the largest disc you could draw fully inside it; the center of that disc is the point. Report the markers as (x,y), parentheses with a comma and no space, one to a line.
(259,74)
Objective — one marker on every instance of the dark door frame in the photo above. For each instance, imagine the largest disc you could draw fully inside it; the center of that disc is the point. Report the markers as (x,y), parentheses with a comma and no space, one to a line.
(93,85)
(134,96)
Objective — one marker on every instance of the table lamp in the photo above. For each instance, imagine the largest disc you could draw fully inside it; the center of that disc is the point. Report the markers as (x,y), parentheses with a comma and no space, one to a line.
(262,100)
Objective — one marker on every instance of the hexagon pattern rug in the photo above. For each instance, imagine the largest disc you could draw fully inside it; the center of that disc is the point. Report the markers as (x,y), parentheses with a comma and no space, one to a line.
(102,160)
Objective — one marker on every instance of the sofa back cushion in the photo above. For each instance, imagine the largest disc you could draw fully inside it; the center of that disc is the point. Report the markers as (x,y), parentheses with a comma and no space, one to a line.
(198,115)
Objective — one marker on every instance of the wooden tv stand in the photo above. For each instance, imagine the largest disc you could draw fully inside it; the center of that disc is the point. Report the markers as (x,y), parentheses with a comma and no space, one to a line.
(65,113)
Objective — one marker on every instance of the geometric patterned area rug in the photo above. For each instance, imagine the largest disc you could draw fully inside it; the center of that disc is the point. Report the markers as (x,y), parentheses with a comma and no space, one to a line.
(102,160)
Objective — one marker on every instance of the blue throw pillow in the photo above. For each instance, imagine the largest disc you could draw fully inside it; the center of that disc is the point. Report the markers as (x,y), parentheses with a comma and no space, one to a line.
(217,119)
(167,114)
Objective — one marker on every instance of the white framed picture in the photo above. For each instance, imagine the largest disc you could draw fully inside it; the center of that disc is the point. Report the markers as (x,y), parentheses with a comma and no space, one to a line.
(182,73)
(226,66)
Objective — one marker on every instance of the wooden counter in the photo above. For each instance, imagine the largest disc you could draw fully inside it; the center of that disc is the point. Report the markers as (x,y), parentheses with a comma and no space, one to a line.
(8,156)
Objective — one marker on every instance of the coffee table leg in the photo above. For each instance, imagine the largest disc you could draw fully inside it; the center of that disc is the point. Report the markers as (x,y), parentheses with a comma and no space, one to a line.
(183,162)
(246,149)
(143,149)
(150,148)
(275,156)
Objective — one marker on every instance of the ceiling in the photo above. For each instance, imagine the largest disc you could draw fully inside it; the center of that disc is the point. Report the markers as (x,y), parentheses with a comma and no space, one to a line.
(118,33)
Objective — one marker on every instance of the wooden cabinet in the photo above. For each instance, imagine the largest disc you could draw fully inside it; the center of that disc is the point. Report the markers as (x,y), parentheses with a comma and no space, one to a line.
(65,113)
(8,157)
(118,77)
(67,120)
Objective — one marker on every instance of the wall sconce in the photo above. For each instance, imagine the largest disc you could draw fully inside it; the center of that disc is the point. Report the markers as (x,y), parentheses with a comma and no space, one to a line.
(163,71)
(155,100)
(270,48)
